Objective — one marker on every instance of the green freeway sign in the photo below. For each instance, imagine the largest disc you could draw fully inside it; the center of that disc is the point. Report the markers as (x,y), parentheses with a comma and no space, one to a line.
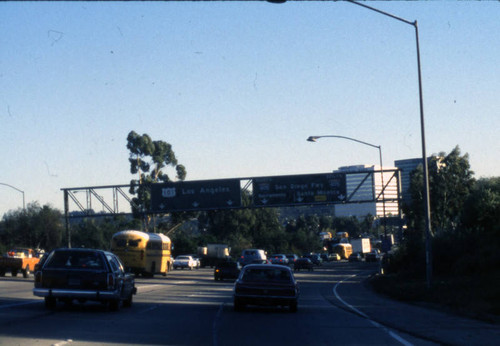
(195,195)
(292,190)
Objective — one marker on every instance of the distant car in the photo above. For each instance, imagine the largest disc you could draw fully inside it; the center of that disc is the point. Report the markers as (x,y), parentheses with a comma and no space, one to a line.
(273,285)
(292,258)
(354,257)
(197,261)
(278,259)
(84,274)
(303,263)
(249,255)
(372,257)
(227,270)
(334,256)
(315,259)
(260,261)
(324,257)
(184,261)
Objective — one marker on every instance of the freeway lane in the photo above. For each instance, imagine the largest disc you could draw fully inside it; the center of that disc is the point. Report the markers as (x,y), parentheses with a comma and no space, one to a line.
(190,308)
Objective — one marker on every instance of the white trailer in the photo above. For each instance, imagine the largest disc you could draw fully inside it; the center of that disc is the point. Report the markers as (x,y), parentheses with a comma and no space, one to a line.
(361,245)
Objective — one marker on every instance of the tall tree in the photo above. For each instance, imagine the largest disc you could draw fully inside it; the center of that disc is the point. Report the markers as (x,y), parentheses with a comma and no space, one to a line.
(149,159)
(450,183)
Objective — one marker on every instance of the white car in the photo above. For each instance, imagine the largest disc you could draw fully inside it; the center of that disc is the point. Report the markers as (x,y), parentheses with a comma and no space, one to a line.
(185,261)
(279,259)
(196,260)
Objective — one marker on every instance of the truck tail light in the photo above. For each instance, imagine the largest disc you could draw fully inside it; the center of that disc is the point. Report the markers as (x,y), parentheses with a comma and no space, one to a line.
(111,281)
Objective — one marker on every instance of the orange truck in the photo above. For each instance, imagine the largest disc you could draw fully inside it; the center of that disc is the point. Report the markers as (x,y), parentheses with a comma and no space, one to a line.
(19,260)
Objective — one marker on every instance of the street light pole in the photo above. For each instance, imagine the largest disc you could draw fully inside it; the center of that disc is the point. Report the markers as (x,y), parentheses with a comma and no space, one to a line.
(427,205)
(428,231)
(315,138)
(15,188)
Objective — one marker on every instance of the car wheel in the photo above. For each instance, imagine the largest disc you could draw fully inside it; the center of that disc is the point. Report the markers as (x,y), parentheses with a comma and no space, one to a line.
(26,272)
(128,302)
(2,272)
(293,307)
(50,303)
(114,305)
(14,272)
(238,305)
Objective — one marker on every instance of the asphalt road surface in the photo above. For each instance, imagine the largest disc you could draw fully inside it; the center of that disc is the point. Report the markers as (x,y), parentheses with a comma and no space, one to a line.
(190,308)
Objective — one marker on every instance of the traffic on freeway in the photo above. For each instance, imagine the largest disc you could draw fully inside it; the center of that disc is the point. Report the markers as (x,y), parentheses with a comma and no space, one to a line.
(191,308)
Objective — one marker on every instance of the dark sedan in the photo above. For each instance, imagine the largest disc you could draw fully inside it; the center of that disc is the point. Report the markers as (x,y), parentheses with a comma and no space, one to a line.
(227,270)
(273,285)
(315,259)
(84,274)
(303,263)
(372,257)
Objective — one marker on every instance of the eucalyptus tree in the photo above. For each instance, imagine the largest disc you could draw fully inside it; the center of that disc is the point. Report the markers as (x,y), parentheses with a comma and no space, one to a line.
(149,160)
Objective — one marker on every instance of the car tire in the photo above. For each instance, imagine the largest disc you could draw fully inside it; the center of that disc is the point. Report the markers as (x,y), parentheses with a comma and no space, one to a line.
(114,305)
(2,272)
(128,302)
(50,303)
(293,307)
(26,272)
(238,305)
(14,272)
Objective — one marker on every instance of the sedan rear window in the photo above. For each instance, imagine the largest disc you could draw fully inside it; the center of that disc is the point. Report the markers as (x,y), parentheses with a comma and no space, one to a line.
(261,275)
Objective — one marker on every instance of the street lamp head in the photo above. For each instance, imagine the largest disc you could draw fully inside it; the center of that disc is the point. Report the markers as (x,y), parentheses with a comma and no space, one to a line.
(312,138)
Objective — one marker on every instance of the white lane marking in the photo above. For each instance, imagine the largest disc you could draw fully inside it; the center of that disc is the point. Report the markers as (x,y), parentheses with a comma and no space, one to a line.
(141,288)
(391,333)
(149,309)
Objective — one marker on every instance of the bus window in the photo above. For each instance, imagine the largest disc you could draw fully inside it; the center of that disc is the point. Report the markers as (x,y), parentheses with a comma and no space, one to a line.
(134,242)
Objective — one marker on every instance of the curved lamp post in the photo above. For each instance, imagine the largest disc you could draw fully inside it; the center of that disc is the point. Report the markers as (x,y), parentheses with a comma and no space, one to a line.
(15,188)
(428,231)
(315,138)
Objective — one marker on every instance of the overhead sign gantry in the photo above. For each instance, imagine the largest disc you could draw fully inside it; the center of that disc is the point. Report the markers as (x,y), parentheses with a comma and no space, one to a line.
(293,190)
(195,195)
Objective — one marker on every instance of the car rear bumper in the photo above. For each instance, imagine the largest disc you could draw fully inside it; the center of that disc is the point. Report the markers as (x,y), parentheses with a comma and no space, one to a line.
(265,300)
(76,294)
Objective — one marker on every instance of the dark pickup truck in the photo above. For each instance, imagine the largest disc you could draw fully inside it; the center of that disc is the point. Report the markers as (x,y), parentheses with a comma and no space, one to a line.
(84,274)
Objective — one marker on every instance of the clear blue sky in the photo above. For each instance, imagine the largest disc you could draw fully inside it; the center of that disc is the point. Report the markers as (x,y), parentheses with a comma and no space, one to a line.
(237,87)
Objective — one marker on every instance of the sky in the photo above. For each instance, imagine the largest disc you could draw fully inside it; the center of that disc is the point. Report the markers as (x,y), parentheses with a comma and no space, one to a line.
(237,87)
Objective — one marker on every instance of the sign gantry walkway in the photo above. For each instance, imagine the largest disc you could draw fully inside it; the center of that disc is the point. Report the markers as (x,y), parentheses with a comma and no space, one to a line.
(220,194)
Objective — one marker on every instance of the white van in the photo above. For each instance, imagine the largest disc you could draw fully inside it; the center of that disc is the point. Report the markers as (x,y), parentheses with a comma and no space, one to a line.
(252,256)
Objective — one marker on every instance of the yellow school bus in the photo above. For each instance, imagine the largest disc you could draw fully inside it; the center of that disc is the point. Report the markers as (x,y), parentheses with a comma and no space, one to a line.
(343,249)
(143,253)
